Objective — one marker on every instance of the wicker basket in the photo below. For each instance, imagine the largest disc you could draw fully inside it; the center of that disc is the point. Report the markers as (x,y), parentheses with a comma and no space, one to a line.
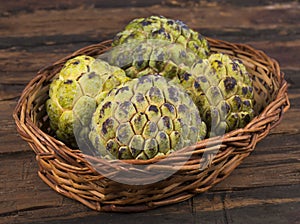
(68,172)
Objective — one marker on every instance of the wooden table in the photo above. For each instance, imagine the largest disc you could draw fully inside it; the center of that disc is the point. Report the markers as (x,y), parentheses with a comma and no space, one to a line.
(265,188)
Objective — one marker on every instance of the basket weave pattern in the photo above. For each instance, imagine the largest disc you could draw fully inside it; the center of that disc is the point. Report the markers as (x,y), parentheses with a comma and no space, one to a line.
(67,171)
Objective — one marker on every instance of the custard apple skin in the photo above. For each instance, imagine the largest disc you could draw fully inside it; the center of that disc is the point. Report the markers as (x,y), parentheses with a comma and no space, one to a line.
(73,68)
(81,84)
(144,118)
(161,28)
(151,57)
(222,89)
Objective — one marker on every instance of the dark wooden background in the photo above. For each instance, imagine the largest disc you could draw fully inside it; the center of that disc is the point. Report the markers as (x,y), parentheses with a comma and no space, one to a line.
(265,188)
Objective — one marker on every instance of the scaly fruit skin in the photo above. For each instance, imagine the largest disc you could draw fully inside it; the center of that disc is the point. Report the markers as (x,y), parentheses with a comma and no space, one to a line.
(146,117)
(151,57)
(159,27)
(223,92)
(74,67)
(82,83)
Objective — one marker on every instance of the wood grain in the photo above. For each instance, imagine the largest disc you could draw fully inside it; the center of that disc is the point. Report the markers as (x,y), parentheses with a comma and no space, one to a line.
(265,188)
(102,22)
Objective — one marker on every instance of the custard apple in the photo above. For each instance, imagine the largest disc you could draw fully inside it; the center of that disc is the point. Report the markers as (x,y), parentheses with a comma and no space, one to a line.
(150,57)
(81,85)
(223,92)
(161,28)
(145,117)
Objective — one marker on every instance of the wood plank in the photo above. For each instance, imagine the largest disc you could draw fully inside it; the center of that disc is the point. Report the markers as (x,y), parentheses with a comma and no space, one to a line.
(284,52)
(53,22)
(279,201)
(10,140)
(292,77)
(272,3)
(27,199)
(254,205)
(24,67)
(11,91)
(23,190)
(17,6)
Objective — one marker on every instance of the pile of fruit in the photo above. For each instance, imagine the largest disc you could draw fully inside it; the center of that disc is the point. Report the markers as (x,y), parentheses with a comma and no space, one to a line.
(159,89)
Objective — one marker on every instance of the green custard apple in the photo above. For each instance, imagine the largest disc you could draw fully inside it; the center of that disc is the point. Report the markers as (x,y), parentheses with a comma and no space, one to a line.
(81,85)
(144,118)
(161,28)
(151,57)
(222,89)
